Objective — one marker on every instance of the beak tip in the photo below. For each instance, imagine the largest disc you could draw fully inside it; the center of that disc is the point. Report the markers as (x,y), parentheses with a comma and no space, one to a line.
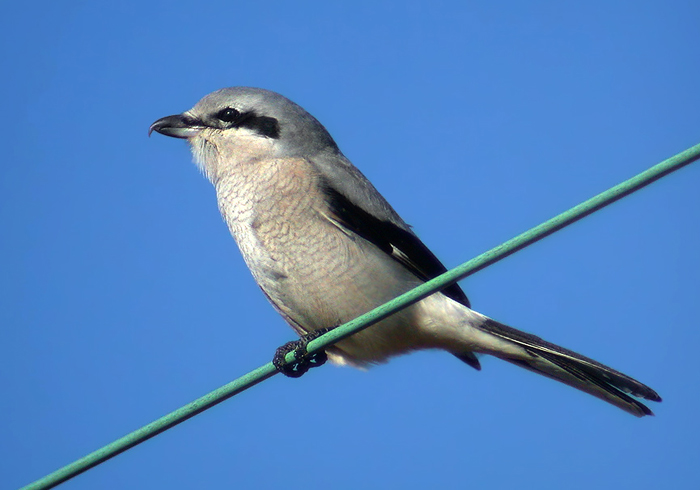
(175,126)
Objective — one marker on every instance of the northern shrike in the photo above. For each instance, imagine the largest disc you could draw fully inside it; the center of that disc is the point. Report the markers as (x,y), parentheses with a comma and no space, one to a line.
(325,246)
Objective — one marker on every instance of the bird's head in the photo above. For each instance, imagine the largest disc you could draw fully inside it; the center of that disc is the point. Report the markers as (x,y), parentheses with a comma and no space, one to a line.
(239,124)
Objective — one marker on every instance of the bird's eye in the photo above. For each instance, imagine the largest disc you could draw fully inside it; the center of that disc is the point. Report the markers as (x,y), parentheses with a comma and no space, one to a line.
(228,115)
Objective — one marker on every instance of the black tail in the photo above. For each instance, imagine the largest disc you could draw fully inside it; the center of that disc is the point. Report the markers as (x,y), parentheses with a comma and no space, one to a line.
(574,369)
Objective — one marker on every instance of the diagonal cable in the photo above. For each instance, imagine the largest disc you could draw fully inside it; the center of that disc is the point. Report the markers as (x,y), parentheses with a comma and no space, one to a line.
(360,323)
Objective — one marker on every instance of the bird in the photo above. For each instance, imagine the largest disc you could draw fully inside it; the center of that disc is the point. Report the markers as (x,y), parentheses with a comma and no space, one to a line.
(325,246)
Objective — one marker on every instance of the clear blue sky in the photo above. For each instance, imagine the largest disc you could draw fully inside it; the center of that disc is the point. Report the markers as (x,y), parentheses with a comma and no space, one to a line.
(123,297)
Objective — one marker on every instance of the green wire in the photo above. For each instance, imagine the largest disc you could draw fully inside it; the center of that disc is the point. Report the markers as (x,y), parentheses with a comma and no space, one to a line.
(374,316)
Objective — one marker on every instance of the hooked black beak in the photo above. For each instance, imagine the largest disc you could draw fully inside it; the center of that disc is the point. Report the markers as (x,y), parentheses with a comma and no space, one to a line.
(177,126)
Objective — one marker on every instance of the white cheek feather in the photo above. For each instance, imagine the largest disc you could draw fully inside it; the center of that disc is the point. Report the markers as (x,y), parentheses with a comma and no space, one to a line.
(240,145)
(205,156)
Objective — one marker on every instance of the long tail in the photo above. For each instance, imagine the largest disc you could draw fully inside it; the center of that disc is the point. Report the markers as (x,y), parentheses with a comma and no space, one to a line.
(573,369)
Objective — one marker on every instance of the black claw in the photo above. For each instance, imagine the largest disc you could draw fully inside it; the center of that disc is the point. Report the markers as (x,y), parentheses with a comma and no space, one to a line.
(304,361)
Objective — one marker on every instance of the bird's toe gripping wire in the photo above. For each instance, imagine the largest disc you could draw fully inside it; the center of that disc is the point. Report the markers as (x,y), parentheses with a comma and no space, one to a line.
(303,360)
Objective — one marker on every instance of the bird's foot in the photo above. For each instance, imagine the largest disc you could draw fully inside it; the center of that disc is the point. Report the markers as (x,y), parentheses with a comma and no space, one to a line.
(304,361)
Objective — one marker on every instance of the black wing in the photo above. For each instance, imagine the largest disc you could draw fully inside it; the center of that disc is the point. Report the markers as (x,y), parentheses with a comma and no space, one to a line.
(401,245)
